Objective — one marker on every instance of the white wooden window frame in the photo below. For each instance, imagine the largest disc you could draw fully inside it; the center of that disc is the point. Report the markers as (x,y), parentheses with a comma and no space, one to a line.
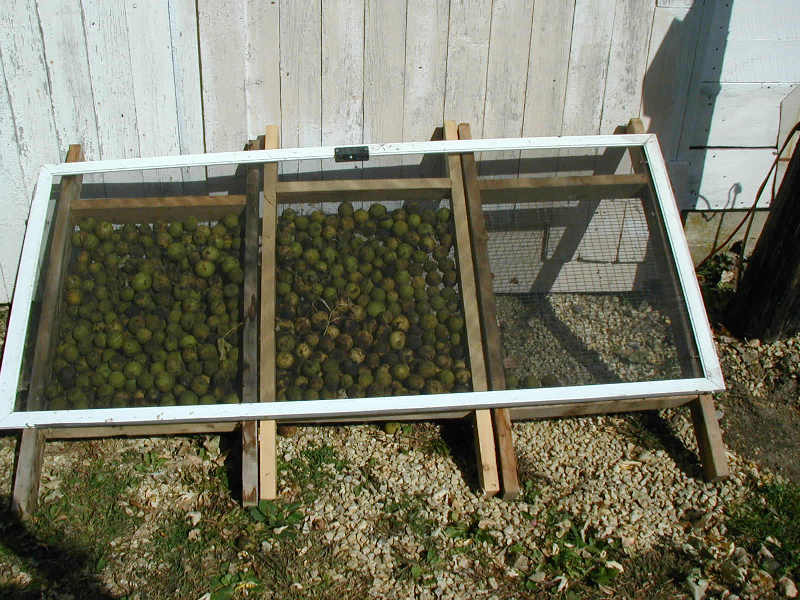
(712,380)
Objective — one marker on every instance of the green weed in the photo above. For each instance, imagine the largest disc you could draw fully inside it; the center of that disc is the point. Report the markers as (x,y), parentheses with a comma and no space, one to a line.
(773,511)
(278,517)
(235,585)
(312,470)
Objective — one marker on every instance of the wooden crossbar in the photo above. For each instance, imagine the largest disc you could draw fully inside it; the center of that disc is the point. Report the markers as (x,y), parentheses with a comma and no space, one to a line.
(335,190)
(161,208)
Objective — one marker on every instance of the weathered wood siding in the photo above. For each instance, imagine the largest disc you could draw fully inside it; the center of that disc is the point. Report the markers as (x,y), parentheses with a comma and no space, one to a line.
(148,77)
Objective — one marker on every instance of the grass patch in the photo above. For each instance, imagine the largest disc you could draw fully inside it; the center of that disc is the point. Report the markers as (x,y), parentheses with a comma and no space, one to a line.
(89,510)
(312,470)
(773,511)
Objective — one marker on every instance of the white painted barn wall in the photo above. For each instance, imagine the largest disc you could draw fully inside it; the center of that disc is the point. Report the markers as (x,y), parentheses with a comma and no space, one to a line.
(133,78)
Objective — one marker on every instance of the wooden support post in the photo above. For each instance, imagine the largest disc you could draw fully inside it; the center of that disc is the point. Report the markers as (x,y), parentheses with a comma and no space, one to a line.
(709,438)
(484,432)
(704,417)
(268,471)
(31,450)
(492,344)
(28,472)
(250,334)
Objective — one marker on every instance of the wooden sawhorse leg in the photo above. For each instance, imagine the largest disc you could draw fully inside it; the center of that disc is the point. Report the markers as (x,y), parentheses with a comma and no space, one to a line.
(501,418)
(267,451)
(28,472)
(709,438)
(484,431)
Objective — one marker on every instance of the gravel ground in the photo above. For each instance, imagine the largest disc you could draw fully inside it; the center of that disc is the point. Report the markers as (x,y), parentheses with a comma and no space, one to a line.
(399,515)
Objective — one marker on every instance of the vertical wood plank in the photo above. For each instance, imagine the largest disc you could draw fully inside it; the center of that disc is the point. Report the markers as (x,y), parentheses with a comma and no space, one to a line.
(25,72)
(626,63)
(267,451)
(384,75)
(223,44)
(467,61)
(13,182)
(669,67)
(189,105)
(250,474)
(154,90)
(588,66)
(342,76)
(262,85)
(548,64)
(593,23)
(484,432)
(492,344)
(250,364)
(426,63)
(506,75)
(106,30)
(709,438)
(268,460)
(301,81)
(28,473)
(70,82)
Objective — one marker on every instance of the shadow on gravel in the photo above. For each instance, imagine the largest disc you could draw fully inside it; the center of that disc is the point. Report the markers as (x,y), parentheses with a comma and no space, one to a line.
(459,437)
(57,567)
(686,460)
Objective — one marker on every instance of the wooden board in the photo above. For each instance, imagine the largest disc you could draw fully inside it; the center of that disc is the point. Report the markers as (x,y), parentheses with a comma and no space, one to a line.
(384,75)
(154,91)
(580,409)
(27,473)
(250,305)
(364,189)
(538,189)
(673,41)
(301,81)
(74,433)
(262,85)
(467,57)
(727,178)
(54,275)
(107,49)
(506,72)
(592,29)
(267,385)
(70,81)
(188,94)
(744,115)
(627,61)
(492,345)
(747,61)
(484,432)
(790,115)
(342,77)
(548,65)
(25,78)
(709,439)
(425,72)
(221,25)
(591,41)
(161,208)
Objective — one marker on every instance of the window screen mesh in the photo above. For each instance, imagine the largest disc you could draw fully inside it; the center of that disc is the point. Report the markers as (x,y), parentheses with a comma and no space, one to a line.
(584,293)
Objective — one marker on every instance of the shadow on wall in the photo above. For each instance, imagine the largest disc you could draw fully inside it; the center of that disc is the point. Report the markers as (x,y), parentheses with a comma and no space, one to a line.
(680,89)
